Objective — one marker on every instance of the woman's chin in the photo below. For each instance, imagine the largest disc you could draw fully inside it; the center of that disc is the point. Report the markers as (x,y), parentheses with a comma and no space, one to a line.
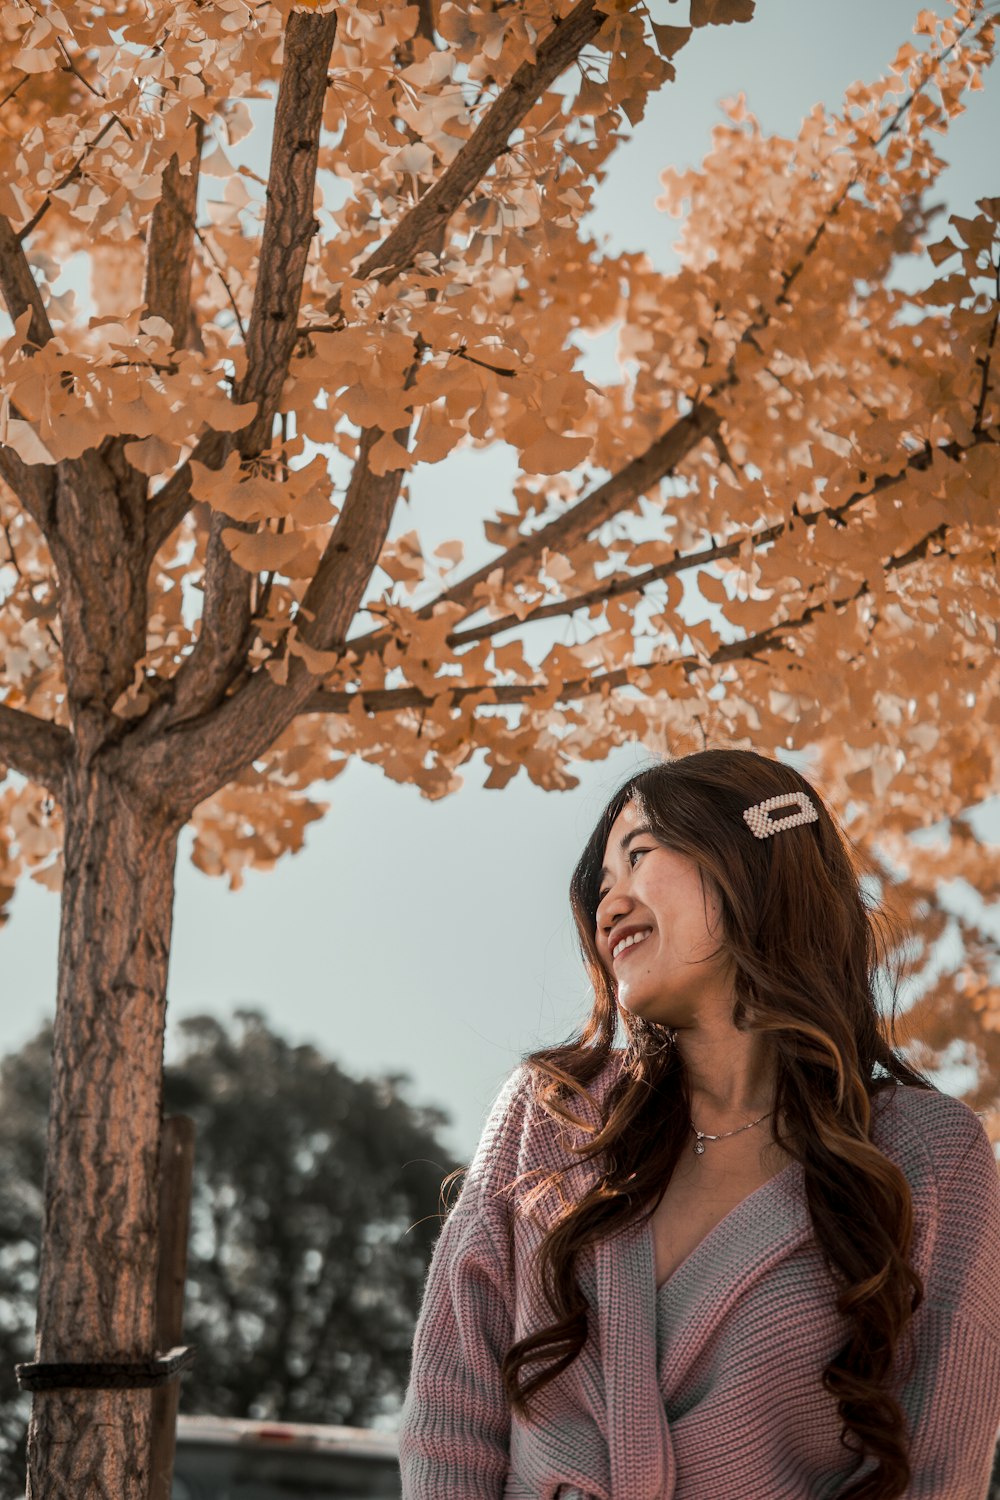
(639,1004)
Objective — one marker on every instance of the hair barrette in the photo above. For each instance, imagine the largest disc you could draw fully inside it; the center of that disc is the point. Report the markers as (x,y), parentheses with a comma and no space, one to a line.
(762,825)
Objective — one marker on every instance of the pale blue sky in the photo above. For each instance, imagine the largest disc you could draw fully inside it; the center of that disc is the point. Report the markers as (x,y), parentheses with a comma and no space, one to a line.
(435,938)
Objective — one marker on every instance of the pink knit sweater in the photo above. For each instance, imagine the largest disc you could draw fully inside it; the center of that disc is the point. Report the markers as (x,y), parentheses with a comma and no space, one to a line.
(708,1388)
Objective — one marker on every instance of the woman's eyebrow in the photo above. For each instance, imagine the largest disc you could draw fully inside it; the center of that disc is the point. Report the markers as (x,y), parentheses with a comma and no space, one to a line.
(624,843)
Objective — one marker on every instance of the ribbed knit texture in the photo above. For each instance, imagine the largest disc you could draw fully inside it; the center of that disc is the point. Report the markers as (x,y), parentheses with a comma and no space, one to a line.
(708,1388)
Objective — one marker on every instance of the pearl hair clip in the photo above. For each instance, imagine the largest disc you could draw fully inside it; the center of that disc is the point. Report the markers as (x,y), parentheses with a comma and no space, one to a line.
(762,825)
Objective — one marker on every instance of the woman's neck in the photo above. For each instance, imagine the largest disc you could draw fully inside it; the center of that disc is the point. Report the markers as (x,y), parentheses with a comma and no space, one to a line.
(731,1074)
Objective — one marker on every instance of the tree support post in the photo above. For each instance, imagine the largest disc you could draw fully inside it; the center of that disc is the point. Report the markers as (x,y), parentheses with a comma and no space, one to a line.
(176,1170)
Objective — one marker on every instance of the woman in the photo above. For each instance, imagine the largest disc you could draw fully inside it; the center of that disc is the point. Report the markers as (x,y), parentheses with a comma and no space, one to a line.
(751,1255)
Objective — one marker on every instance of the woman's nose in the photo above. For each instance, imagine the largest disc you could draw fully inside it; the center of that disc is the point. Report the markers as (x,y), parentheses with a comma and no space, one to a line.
(614,906)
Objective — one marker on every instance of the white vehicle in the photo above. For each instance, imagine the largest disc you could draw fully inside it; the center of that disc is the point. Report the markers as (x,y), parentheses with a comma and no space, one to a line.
(220,1458)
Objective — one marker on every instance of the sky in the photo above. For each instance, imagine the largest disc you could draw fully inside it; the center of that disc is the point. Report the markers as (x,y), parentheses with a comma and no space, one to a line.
(435,939)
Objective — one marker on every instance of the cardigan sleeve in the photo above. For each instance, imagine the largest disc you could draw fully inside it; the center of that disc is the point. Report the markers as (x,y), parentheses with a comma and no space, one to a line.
(454,1438)
(951,1394)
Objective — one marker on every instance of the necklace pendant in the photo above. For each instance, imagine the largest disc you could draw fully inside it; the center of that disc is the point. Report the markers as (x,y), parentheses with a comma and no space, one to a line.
(699,1148)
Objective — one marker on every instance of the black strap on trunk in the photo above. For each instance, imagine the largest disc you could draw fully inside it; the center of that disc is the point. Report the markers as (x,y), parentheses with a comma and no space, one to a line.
(107,1375)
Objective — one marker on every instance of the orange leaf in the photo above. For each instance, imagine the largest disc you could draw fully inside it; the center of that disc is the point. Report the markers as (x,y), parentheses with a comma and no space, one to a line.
(711,588)
(720,12)
(670,39)
(262,550)
(387,456)
(553,454)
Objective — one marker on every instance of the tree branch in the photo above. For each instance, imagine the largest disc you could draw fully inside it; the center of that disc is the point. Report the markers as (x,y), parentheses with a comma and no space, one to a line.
(191,757)
(352,553)
(659,459)
(33,484)
(88,512)
(390,259)
(170,245)
(289,226)
(35,748)
(253,717)
(19,288)
(412,234)
(636,583)
(425,23)
(70,176)
(615,494)
(172,501)
(423,224)
(984,361)
(624,488)
(772,638)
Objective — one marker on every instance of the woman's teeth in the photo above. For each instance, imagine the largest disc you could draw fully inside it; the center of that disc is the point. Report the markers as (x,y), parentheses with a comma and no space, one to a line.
(630,942)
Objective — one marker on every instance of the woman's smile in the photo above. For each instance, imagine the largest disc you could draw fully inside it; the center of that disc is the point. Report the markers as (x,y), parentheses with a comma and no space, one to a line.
(623,946)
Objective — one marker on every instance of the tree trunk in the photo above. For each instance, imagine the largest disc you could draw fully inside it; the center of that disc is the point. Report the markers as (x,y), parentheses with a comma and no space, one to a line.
(97,1290)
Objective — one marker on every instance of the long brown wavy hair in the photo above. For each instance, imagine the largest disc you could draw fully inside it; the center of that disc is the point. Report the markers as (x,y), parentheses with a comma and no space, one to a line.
(812,951)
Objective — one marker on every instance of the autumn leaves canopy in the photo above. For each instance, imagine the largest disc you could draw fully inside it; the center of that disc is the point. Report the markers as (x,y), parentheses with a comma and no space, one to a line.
(265,365)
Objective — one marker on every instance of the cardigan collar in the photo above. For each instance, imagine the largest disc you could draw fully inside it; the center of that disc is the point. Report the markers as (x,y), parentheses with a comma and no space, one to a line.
(619,1280)
(768,1225)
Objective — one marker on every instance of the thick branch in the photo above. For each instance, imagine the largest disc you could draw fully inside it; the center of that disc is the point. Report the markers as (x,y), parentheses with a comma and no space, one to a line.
(36,748)
(352,553)
(289,226)
(172,501)
(33,484)
(19,288)
(89,512)
(425,22)
(984,361)
(190,758)
(170,245)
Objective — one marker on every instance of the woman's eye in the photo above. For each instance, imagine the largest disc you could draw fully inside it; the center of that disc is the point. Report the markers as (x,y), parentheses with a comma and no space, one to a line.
(632,856)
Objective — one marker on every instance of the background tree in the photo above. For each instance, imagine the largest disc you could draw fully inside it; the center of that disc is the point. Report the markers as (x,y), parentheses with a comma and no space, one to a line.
(809,450)
(315,1205)
(24,1096)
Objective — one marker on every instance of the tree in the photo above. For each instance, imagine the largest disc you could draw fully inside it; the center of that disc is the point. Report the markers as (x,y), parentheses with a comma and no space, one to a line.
(314,1210)
(811,449)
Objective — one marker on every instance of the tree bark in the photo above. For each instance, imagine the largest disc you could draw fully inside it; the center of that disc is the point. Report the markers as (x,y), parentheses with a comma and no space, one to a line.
(97,1290)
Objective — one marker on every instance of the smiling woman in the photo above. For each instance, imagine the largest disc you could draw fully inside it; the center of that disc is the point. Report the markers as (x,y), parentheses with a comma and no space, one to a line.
(751,1252)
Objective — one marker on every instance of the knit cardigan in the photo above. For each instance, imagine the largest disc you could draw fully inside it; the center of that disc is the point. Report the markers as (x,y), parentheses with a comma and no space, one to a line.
(708,1388)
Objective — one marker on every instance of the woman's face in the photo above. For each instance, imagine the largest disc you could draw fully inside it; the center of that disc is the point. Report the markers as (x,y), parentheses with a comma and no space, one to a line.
(654,896)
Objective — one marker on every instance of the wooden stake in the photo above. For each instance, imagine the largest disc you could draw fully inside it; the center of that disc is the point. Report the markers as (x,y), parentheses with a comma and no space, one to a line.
(176,1164)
